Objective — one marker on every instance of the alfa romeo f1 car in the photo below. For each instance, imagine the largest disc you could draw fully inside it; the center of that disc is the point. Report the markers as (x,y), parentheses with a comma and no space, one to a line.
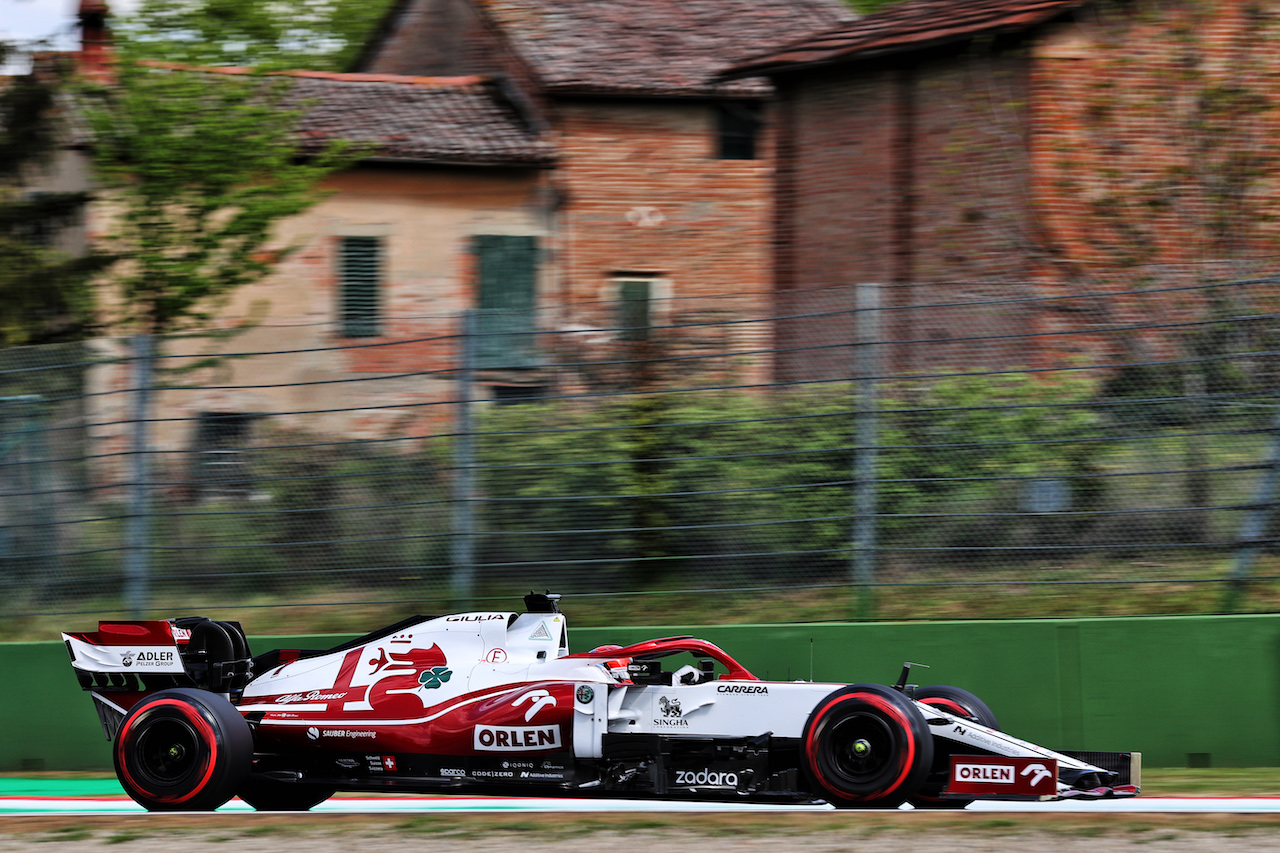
(495,703)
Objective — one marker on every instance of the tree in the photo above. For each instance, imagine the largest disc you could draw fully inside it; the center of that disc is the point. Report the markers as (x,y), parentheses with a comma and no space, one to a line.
(45,293)
(201,166)
(324,35)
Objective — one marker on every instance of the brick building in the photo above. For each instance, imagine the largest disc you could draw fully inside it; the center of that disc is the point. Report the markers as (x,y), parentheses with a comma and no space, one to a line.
(354,334)
(973,150)
(571,169)
(662,202)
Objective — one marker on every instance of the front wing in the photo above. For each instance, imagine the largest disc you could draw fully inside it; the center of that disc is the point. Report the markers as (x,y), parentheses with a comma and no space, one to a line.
(989,764)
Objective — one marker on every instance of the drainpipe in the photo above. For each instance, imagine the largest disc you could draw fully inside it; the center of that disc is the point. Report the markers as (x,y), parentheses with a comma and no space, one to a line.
(786,151)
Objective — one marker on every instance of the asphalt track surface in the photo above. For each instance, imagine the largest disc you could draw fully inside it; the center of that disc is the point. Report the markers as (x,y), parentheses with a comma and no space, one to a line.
(50,797)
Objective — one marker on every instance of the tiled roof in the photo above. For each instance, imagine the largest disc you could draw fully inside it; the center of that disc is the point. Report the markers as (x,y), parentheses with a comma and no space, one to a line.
(425,119)
(454,120)
(910,25)
(653,47)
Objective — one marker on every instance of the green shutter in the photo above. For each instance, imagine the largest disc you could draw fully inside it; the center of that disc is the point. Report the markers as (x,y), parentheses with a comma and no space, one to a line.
(633,310)
(508,271)
(360,272)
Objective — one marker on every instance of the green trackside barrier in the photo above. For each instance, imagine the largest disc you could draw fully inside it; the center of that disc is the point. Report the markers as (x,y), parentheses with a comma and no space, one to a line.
(1183,691)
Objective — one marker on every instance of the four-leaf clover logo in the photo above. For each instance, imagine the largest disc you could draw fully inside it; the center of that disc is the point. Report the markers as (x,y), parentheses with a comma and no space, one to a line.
(434,677)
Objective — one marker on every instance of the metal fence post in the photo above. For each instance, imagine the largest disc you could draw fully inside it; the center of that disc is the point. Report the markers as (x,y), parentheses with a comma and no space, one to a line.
(23,476)
(137,531)
(464,464)
(866,369)
(1254,530)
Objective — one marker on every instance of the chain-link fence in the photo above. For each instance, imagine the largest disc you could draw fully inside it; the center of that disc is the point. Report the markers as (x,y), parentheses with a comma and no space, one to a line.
(879,452)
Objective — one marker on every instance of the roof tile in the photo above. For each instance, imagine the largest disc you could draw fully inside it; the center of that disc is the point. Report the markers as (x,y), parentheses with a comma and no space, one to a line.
(431,119)
(417,118)
(654,47)
(905,26)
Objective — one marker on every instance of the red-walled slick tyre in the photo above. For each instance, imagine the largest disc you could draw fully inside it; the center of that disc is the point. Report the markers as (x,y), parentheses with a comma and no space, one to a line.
(962,703)
(866,745)
(183,750)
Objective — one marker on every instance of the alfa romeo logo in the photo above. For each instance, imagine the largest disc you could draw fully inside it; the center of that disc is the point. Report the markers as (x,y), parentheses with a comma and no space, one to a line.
(585,694)
(434,677)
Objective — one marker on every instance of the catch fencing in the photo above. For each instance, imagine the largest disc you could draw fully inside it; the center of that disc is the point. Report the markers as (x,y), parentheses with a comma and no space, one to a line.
(875,452)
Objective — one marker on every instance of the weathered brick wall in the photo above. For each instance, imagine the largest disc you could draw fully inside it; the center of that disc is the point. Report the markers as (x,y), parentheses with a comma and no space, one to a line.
(1152,144)
(1113,153)
(1159,114)
(646,193)
(966,203)
(835,212)
(901,176)
(642,191)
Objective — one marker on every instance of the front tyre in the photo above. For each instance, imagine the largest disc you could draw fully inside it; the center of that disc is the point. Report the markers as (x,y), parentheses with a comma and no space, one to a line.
(958,701)
(866,745)
(183,749)
(270,795)
(961,703)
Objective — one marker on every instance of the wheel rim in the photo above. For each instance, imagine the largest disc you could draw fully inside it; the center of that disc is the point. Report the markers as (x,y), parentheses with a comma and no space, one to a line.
(168,751)
(862,747)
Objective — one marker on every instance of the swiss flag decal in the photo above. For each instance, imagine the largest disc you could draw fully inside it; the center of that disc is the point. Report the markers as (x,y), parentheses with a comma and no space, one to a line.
(389,762)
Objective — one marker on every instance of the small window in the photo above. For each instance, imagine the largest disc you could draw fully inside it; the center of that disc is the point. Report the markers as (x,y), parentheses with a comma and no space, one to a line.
(507,271)
(738,126)
(360,285)
(635,318)
(220,466)
(508,394)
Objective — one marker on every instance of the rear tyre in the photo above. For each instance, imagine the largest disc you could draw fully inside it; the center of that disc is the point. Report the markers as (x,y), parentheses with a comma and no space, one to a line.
(183,749)
(269,795)
(962,703)
(867,745)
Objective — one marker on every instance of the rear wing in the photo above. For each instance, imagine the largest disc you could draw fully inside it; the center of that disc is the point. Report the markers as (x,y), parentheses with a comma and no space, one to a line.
(122,662)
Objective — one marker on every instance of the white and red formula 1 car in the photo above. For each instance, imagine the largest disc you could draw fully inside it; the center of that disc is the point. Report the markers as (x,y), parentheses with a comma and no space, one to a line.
(495,703)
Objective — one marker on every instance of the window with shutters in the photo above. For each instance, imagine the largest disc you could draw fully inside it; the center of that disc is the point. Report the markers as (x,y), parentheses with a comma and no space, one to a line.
(507,267)
(360,286)
(220,464)
(642,302)
(634,306)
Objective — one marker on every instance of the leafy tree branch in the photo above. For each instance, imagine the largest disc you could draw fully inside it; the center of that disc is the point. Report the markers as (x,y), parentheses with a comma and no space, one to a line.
(200,166)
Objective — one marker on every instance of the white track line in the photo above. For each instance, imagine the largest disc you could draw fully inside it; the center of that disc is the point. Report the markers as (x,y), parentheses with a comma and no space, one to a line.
(29,806)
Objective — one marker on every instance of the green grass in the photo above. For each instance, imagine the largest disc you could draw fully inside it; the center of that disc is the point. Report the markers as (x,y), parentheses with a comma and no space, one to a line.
(1154,584)
(1225,781)
(124,837)
(75,832)
(265,829)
